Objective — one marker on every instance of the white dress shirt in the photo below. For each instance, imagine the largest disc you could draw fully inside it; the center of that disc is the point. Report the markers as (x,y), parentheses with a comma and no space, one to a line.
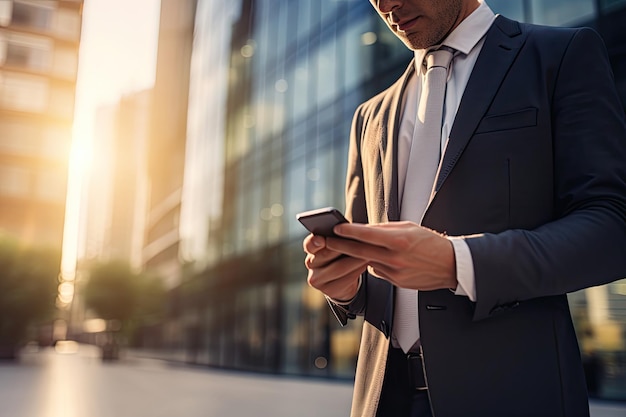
(467,39)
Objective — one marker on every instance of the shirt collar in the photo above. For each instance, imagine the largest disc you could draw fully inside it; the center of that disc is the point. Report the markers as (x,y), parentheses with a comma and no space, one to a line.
(466,35)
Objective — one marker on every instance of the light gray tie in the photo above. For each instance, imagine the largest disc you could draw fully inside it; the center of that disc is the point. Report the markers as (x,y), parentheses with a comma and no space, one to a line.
(420,177)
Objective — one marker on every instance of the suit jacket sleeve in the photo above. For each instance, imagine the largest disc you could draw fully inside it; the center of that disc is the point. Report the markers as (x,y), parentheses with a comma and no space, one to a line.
(355,212)
(586,243)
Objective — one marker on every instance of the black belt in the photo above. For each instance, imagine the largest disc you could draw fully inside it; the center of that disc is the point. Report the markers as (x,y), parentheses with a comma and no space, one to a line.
(414,361)
(417,377)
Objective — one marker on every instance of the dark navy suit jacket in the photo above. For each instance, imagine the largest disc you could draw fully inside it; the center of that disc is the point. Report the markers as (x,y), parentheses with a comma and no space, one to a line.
(534,177)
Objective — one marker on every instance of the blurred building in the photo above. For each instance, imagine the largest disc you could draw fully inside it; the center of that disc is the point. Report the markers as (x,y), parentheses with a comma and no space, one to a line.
(115,202)
(96,204)
(117,191)
(130,179)
(166,152)
(39,43)
(272,90)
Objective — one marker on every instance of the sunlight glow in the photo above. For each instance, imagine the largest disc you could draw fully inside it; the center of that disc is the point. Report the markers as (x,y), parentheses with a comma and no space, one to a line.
(117,55)
(79,161)
(66,347)
(94,325)
(66,292)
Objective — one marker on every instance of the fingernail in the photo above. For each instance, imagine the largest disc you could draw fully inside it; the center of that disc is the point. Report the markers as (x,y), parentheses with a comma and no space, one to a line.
(317,241)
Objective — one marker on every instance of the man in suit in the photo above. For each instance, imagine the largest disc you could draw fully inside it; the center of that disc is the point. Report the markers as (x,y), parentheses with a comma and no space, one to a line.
(528,203)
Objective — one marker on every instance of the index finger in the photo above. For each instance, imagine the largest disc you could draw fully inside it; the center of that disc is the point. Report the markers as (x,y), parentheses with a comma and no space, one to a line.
(384,234)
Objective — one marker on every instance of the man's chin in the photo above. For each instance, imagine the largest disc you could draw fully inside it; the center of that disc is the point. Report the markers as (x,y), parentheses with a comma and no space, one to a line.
(414,44)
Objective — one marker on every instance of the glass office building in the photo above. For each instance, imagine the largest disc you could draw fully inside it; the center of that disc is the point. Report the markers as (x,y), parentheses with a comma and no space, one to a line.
(280,79)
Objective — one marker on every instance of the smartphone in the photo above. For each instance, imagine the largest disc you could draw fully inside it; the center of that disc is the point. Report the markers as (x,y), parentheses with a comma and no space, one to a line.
(321,221)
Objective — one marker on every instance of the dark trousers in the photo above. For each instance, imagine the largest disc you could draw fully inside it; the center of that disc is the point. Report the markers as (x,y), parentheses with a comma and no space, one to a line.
(420,405)
(398,398)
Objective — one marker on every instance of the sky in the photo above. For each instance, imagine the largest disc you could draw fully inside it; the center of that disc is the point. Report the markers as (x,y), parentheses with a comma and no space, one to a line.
(117,56)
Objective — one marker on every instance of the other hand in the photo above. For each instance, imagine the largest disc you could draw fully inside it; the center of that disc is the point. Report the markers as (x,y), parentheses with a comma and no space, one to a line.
(331,272)
(403,253)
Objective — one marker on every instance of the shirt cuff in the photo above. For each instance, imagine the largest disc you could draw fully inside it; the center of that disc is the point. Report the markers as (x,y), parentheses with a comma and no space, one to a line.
(464,268)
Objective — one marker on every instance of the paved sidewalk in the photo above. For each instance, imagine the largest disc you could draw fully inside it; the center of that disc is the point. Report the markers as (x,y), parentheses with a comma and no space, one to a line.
(75,382)
(335,395)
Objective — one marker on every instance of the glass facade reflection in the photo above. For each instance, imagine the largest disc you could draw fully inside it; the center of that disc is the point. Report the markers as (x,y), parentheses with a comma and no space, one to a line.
(279,80)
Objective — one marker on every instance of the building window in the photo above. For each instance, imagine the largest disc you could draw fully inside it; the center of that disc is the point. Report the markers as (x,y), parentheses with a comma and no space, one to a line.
(296,192)
(32,15)
(561,12)
(513,9)
(23,92)
(357,62)
(326,73)
(26,51)
(66,24)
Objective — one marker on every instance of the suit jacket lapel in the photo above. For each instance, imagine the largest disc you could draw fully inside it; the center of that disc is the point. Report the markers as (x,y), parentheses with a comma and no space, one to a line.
(502,44)
(389,144)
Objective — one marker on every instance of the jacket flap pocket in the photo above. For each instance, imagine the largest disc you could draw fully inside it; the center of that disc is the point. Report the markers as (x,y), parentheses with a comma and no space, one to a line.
(507,121)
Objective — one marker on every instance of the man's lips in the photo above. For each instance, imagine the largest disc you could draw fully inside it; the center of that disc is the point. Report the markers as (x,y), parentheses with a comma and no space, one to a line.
(405,24)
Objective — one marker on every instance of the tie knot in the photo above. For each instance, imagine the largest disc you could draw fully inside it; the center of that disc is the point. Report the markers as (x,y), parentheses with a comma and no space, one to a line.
(439,58)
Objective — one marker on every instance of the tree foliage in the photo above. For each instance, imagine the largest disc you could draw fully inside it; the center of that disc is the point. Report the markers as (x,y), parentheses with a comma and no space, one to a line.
(111,291)
(28,288)
(151,298)
(115,292)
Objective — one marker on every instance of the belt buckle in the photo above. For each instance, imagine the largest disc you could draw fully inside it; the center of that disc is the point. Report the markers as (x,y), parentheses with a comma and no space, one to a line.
(416,370)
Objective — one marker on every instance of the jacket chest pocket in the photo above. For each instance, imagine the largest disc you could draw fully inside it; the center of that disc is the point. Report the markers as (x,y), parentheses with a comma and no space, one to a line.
(508,121)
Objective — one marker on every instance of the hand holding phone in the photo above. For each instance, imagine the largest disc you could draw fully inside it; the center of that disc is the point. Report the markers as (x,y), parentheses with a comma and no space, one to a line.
(321,221)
